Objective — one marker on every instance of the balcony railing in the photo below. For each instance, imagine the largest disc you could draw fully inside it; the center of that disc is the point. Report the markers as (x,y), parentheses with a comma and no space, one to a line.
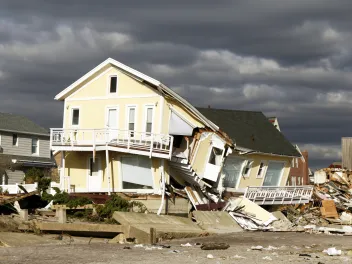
(151,144)
(279,195)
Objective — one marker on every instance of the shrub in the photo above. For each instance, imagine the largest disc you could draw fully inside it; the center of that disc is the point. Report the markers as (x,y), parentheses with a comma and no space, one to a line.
(33,175)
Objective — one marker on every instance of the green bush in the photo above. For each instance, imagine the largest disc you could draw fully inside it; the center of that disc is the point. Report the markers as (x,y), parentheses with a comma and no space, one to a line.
(33,175)
(64,198)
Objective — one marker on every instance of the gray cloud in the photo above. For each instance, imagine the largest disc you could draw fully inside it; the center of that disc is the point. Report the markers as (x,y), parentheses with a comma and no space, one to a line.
(290,59)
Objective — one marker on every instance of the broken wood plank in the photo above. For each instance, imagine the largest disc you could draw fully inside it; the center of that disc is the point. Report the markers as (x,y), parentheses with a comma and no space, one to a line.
(17,198)
(330,208)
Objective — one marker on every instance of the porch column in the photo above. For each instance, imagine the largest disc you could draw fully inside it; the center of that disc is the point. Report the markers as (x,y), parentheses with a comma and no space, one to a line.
(62,171)
(108,170)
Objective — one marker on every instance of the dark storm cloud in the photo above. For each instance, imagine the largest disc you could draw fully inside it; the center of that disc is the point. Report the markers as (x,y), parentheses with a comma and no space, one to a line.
(290,59)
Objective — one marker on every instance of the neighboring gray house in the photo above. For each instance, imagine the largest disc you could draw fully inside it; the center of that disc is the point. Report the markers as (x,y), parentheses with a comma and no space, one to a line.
(23,145)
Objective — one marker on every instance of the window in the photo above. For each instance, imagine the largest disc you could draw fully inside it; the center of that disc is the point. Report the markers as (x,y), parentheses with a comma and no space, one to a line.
(131,120)
(261,170)
(149,120)
(293,180)
(75,116)
(247,168)
(232,170)
(14,140)
(113,84)
(93,167)
(273,174)
(299,180)
(136,172)
(215,156)
(35,148)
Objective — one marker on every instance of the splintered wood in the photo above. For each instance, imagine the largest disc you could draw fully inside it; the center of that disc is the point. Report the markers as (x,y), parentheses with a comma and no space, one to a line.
(329,209)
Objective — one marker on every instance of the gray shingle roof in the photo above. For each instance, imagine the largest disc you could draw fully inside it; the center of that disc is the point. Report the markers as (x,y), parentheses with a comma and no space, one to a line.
(17,123)
(251,130)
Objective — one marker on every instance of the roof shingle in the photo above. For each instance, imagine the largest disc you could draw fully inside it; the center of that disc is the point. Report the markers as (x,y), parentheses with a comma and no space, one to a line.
(21,124)
(251,130)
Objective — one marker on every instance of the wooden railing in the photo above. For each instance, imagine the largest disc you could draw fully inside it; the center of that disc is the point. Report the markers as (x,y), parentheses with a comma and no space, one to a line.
(130,140)
(279,195)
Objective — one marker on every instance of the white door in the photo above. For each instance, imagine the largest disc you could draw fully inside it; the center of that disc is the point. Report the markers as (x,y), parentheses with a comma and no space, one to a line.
(112,124)
(94,175)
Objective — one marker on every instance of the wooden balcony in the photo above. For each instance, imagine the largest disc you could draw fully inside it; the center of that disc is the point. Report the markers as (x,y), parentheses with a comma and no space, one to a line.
(279,195)
(126,141)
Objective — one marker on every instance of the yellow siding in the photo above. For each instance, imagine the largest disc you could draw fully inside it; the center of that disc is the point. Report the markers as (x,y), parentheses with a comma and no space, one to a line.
(252,180)
(77,169)
(200,157)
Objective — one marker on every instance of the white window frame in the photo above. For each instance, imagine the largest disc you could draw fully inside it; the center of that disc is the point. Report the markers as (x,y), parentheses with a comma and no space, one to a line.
(37,152)
(79,115)
(240,174)
(145,118)
(0,139)
(120,179)
(282,170)
(264,168)
(108,85)
(128,107)
(247,162)
(107,108)
(17,141)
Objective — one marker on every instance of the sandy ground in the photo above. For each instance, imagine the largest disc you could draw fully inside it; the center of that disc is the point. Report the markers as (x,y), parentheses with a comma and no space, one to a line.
(287,247)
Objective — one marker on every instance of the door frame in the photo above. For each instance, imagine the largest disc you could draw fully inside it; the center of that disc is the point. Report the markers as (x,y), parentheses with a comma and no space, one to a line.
(99,173)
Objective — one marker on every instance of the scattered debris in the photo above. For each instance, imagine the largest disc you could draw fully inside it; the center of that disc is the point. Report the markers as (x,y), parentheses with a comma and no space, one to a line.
(267,258)
(237,257)
(257,248)
(210,256)
(186,245)
(304,255)
(332,252)
(215,246)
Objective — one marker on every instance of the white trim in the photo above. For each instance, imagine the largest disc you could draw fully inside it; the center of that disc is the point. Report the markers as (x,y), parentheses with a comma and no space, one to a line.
(161,113)
(110,107)
(88,83)
(17,141)
(248,161)
(71,116)
(263,172)
(240,171)
(108,93)
(180,116)
(281,173)
(0,139)
(120,184)
(100,172)
(127,116)
(36,153)
(112,97)
(65,112)
(108,61)
(146,106)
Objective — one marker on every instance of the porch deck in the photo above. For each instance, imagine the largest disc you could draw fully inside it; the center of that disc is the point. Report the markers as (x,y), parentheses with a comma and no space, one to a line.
(266,195)
(127,141)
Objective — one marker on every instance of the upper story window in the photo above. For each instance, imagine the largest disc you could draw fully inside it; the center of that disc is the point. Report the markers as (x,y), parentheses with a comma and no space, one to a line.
(131,120)
(14,139)
(260,173)
(113,85)
(247,168)
(149,120)
(215,156)
(75,117)
(35,146)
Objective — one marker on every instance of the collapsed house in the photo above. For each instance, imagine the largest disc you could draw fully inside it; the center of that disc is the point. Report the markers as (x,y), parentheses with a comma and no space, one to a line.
(126,132)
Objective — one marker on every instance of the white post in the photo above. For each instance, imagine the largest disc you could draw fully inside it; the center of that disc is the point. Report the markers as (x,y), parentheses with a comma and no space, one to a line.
(62,171)
(108,169)
(162,187)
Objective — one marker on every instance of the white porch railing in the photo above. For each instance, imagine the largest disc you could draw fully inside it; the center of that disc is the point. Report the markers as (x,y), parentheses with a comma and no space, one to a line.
(148,143)
(14,189)
(279,195)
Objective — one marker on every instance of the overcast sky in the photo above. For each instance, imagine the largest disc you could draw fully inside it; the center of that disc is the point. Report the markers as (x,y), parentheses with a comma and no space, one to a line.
(290,59)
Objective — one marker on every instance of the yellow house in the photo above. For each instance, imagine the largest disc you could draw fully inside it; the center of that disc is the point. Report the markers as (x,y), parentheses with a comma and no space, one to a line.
(124,131)
(261,159)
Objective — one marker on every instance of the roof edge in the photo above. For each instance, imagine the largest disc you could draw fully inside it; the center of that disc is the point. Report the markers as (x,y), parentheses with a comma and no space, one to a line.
(26,133)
